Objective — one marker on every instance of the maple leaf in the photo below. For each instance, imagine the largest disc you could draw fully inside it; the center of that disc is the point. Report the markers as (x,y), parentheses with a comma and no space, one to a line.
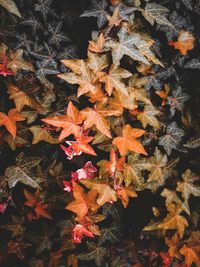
(105,192)
(155,12)
(97,46)
(132,172)
(187,186)
(21,99)
(97,10)
(177,100)
(97,63)
(128,141)
(127,45)
(124,194)
(96,117)
(191,250)
(81,145)
(113,165)
(9,121)
(147,116)
(173,245)
(79,231)
(11,7)
(83,202)
(34,201)
(185,42)
(172,197)
(16,62)
(22,172)
(96,253)
(41,134)
(69,122)
(43,6)
(113,80)
(174,220)
(82,76)
(156,165)
(172,138)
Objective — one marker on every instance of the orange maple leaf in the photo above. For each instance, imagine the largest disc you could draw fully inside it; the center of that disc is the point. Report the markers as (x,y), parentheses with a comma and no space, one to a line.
(69,122)
(97,46)
(9,121)
(81,145)
(185,42)
(98,118)
(112,165)
(124,194)
(34,201)
(83,201)
(128,141)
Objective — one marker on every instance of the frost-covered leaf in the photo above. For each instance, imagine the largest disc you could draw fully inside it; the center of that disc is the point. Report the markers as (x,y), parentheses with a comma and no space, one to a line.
(98,10)
(172,138)
(127,45)
(155,12)
(177,100)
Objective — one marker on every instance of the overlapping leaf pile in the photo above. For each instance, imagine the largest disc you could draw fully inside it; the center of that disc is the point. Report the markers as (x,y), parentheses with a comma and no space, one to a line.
(100,148)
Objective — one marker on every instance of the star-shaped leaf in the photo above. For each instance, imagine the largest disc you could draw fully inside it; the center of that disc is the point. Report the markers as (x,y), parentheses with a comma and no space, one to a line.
(98,10)
(155,12)
(83,202)
(22,99)
(172,138)
(41,134)
(127,45)
(187,186)
(113,80)
(22,171)
(69,122)
(148,116)
(105,192)
(82,75)
(174,220)
(9,121)
(129,142)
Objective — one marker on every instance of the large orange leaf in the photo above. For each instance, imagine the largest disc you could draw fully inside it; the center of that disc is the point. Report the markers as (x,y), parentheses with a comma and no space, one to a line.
(69,122)
(9,121)
(96,117)
(128,141)
(83,202)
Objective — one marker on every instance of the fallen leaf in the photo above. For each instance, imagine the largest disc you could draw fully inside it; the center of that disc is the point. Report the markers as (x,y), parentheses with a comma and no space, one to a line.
(128,141)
